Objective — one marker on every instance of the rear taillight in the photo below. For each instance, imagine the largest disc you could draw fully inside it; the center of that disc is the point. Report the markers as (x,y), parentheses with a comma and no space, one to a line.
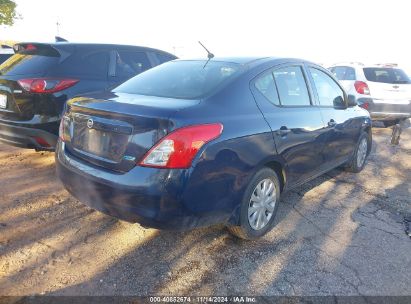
(30,47)
(362,88)
(178,149)
(46,85)
(365,105)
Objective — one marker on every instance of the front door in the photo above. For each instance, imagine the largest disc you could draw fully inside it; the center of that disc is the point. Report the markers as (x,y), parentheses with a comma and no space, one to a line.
(342,130)
(296,123)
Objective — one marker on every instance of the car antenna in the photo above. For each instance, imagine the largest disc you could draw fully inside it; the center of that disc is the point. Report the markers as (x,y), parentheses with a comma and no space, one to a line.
(209,54)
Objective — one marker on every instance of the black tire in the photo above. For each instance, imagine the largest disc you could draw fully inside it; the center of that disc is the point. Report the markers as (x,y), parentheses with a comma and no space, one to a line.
(244,230)
(354,165)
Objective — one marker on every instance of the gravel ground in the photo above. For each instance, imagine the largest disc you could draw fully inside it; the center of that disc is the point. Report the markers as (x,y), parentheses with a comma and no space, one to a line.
(340,234)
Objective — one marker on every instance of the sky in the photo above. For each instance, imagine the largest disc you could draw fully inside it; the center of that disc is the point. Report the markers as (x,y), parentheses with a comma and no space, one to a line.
(321,31)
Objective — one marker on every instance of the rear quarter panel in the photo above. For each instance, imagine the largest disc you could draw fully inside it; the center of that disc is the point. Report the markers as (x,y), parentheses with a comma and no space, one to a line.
(221,172)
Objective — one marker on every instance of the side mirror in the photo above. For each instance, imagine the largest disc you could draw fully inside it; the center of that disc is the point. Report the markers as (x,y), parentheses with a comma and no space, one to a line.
(352,102)
(339,103)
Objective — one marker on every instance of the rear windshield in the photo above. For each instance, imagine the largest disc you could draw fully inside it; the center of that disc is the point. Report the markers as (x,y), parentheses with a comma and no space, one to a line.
(20,64)
(181,79)
(386,75)
(46,61)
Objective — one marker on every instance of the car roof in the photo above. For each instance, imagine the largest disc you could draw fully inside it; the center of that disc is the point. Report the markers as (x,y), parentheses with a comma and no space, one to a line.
(238,60)
(363,65)
(250,61)
(58,45)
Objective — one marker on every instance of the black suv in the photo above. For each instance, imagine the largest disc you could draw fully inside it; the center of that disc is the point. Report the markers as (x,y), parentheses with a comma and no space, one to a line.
(36,82)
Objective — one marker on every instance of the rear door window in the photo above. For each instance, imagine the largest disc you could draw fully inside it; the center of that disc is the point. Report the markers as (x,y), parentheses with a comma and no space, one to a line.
(328,91)
(386,75)
(131,63)
(265,85)
(291,86)
(343,72)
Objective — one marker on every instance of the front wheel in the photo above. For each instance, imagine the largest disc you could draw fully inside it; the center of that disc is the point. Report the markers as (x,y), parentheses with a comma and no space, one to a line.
(360,155)
(259,206)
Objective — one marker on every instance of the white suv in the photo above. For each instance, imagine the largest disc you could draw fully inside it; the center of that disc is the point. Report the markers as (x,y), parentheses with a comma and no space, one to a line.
(382,89)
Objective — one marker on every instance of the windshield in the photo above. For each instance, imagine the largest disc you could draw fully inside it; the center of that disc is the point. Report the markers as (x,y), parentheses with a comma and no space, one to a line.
(386,75)
(181,79)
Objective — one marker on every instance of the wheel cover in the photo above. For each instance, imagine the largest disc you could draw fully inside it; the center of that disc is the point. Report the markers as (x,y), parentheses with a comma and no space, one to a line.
(362,152)
(262,204)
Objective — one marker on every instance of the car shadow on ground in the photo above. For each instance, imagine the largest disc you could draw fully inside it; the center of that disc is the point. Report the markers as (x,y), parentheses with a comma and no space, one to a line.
(336,235)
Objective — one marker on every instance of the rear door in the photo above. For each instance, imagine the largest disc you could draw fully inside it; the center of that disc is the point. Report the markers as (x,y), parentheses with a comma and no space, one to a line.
(342,131)
(296,123)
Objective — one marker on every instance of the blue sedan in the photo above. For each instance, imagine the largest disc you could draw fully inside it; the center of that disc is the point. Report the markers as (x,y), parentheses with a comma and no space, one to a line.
(193,143)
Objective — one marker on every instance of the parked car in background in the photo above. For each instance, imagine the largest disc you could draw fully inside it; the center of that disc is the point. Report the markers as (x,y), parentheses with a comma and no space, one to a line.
(5,53)
(38,80)
(194,142)
(384,90)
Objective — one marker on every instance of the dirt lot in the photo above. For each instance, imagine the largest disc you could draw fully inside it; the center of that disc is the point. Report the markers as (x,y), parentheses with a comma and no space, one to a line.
(341,234)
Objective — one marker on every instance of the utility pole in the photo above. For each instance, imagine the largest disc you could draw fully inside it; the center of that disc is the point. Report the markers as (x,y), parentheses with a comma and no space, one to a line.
(58,28)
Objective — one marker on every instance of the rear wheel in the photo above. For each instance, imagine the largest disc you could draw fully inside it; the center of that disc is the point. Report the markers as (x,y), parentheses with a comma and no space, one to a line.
(259,206)
(361,152)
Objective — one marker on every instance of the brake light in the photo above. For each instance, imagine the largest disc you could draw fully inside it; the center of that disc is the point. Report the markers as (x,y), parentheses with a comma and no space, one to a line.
(362,88)
(365,105)
(178,149)
(30,47)
(46,85)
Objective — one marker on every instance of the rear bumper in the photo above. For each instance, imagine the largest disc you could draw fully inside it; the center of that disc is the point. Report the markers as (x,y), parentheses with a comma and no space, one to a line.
(386,116)
(152,197)
(385,110)
(27,137)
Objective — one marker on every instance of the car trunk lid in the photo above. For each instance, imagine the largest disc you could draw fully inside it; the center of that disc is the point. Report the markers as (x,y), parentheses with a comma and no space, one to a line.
(397,93)
(115,131)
